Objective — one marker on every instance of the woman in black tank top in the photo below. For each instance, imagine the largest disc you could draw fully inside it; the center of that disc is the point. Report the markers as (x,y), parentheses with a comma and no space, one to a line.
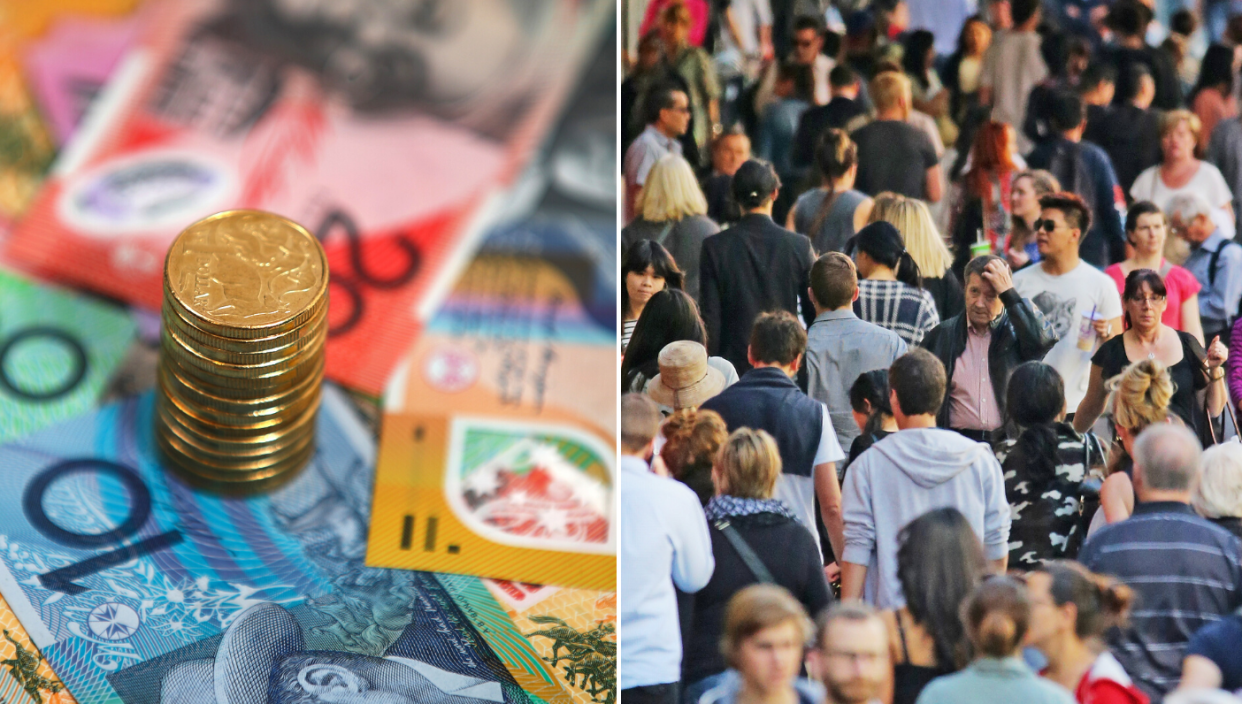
(939,562)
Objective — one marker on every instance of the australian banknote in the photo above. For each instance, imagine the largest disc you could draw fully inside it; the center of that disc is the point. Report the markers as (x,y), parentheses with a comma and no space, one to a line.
(136,588)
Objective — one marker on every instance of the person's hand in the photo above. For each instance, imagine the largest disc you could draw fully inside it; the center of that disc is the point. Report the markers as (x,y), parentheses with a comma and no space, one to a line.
(1103,329)
(767,52)
(658,467)
(1217,353)
(997,274)
(832,572)
(1017,258)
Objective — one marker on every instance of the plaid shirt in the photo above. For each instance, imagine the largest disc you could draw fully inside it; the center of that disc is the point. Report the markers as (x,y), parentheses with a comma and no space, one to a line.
(910,312)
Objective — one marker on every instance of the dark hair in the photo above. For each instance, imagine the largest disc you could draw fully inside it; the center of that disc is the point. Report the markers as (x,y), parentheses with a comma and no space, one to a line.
(997,615)
(1134,286)
(835,154)
(660,98)
(1215,71)
(1066,111)
(869,394)
(1022,10)
(1183,22)
(978,265)
(1138,210)
(1072,206)
(802,76)
(1033,400)
(1101,602)
(842,76)
(643,254)
(1128,18)
(777,338)
(882,242)
(1095,74)
(914,56)
(964,32)
(1129,88)
(833,280)
(802,22)
(753,184)
(918,379)
(671,315)
(939,563)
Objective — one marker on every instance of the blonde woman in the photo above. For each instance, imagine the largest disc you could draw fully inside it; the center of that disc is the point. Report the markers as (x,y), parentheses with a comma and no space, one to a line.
(745,475)
(673,212)
(918,231)
(1179,171)
(1140,398)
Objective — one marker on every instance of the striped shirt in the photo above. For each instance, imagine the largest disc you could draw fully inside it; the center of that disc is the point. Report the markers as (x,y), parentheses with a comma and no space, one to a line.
(910,312)
(1186,573)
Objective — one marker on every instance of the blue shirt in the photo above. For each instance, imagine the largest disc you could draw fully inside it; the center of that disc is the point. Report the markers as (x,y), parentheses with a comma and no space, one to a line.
(1217,303)
(1186,573)
(989,680)
(664,541)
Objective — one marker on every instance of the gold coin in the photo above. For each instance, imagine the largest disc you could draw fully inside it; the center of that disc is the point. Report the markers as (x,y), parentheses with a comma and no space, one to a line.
(259,476)
(232,454)
(267,384)
(247,274)
(206,360)
(239,427)
(254,408)
(248,351)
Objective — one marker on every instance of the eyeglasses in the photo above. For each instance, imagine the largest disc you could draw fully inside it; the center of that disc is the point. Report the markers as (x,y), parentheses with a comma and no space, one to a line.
(1148,300)
(1045,225)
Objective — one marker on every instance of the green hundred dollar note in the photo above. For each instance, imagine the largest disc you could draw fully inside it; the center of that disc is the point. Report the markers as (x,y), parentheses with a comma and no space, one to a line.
(57,351)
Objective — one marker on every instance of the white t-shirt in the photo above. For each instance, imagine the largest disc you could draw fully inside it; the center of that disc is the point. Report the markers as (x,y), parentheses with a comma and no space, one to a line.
(1064,300)
(1207,182)
(798,492)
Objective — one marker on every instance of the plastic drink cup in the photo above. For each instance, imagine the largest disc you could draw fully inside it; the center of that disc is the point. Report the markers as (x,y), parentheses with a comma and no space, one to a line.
(980,248)
(1086,331)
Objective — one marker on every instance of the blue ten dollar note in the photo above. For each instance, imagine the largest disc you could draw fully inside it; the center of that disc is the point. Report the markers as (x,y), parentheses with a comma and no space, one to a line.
(57,352)
(138,589)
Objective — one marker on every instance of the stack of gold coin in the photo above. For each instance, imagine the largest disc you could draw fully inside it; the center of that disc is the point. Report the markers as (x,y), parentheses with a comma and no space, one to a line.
(241,362)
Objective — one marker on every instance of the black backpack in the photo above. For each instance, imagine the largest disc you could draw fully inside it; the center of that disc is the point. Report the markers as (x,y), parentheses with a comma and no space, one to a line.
(1070,169)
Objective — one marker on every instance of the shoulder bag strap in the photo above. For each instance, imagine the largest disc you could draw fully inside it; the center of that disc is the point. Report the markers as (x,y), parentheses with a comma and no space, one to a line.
(668,226)
(745,552)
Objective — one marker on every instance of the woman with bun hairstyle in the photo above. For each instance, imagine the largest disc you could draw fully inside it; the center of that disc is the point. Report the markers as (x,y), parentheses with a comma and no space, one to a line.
(997,616)
(890,286)
(1140,397)
(1071,608)
(832,213)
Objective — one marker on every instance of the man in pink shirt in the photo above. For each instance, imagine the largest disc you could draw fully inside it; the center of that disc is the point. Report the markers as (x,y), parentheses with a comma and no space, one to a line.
(983,344)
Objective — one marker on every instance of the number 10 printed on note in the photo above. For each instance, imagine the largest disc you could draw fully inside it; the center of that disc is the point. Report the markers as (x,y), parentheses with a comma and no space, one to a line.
(498,456)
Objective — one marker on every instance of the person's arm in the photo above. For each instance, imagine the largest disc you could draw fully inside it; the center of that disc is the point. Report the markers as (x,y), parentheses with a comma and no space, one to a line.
(709,303)
(693,562)
(859,520)
(1117,497)
(1216,358)
(1035,334)
(853,578)
(828,490)
(997,518)
(934,187)
(1191,322)
(862,214)
(1092,404)
(804,292)
(789,222)
(1200,673)
(1112,208)
(763,8)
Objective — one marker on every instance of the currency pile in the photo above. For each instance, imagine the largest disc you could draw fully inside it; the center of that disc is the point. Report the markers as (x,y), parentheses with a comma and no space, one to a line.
(242,348)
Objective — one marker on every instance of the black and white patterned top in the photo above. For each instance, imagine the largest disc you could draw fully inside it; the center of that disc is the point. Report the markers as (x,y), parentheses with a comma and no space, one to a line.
(910,312)
(1045,510)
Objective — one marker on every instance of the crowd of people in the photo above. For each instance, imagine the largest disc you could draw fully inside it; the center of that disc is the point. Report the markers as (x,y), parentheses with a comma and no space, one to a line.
(928,395)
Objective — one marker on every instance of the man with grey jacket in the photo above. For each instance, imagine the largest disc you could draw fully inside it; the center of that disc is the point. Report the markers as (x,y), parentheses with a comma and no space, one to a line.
(917,469)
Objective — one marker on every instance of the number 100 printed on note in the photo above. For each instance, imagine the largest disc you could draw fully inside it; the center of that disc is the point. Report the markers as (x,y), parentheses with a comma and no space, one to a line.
(497,457)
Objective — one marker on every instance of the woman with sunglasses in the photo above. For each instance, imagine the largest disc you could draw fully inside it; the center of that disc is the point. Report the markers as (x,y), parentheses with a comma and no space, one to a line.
(1191,368)
(1147,230)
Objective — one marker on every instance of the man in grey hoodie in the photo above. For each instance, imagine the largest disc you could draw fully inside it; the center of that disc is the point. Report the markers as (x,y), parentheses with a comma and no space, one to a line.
(909,473)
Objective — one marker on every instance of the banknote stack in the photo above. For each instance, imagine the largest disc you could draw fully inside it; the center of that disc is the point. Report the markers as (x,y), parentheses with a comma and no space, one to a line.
(241,363)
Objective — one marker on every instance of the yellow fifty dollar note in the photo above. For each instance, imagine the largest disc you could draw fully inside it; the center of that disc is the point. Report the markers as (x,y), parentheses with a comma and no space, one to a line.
(25,677)
(497,456)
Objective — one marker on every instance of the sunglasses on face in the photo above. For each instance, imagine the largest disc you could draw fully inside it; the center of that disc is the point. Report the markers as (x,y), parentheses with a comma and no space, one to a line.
(1045,225)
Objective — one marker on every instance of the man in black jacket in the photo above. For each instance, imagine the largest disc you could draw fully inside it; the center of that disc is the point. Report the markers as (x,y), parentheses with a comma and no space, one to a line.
(982,345)
(753,267)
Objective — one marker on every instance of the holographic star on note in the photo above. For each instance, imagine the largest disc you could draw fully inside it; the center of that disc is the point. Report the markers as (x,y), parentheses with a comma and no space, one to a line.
(113,621)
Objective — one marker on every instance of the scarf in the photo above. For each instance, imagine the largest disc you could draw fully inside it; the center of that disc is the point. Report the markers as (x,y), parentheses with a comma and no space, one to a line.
(732,506)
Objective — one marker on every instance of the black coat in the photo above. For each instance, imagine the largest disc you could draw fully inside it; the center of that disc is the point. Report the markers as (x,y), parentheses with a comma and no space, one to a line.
(785,547)
(751,268)
(1019,334)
